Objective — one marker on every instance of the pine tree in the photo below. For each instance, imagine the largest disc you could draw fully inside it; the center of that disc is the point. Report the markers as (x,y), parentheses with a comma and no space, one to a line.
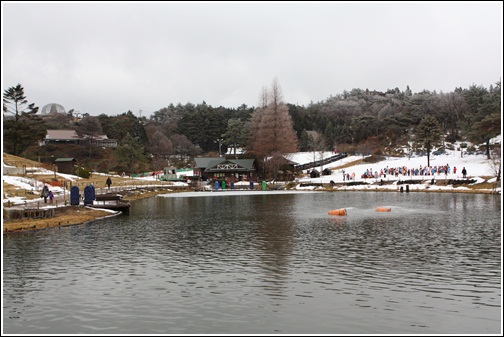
(21,127)
(485,122)
(428,134)
(130,155)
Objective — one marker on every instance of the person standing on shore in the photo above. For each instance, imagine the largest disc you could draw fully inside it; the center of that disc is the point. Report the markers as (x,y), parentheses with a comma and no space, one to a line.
(464,172)
(108,182)
(45,193)
(51,197)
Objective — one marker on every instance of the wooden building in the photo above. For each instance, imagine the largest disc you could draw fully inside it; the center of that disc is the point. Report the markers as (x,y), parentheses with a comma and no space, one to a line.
(65,165)
(218,168)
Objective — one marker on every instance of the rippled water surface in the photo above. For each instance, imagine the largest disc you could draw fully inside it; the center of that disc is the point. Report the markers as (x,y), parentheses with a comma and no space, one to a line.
(264,264)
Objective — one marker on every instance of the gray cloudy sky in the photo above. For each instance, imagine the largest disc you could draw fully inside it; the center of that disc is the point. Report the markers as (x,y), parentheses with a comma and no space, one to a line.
(113,57)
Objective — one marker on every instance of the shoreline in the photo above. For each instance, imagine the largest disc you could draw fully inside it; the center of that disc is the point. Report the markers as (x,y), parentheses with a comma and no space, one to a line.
(77,215)
(68,216)
(64,216)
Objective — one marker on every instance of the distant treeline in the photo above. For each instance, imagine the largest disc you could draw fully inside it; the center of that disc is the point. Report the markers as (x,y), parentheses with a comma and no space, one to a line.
(354,121)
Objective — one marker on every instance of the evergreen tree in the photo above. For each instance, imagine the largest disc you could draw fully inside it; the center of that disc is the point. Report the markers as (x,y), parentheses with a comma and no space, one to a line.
(130,155)
(485,121)
(330,136)
(428,135)
(22,127)
(116,127)
(305,141)
(235,134)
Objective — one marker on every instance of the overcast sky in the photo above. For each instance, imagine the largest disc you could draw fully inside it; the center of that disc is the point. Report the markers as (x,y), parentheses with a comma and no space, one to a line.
(113,57)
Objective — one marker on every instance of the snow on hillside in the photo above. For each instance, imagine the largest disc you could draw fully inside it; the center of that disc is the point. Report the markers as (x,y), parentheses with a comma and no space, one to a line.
(477,166)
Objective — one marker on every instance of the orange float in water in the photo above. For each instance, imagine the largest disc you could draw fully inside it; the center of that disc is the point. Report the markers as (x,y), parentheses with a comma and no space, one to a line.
(337,212)
(383,209)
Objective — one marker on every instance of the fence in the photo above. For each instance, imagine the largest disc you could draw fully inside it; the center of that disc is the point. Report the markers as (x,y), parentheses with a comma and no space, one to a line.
(321,162)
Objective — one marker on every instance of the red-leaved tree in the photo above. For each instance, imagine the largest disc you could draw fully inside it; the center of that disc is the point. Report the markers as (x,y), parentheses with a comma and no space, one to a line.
(271,134)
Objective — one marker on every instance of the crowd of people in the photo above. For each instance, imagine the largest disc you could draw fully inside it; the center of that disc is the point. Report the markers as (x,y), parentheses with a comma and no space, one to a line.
(408,172)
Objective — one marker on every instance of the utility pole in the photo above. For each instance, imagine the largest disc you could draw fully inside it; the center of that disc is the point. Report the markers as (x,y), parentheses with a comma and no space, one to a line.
(220,145)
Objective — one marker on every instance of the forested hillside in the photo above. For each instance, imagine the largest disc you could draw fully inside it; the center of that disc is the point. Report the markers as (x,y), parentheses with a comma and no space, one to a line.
(356,121)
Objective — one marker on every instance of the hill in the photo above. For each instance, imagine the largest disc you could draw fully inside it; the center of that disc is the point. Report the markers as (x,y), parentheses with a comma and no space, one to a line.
(24,185)
(354,173)
(11,160)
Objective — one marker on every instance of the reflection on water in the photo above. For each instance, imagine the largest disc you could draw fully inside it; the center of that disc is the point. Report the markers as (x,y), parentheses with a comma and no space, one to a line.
(264,264)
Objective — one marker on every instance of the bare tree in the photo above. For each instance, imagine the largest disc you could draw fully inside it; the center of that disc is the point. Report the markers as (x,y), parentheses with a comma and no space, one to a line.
(495,162)
(57,120)
(254,127)
(181,145)
(264,98)
(272,134)
(453,107)
(90,128)
(160,147)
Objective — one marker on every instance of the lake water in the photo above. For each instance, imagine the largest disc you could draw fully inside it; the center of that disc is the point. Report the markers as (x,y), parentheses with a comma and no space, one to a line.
(264,264)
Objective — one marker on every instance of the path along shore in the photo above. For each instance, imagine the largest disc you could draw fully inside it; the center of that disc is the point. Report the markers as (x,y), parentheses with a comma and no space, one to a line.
(69,215)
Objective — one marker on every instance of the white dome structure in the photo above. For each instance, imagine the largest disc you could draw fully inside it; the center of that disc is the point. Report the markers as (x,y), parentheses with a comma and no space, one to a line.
(53,108)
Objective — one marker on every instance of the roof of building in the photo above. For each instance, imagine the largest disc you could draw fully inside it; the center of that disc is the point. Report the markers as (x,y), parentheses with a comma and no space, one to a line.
(72,135)
(62,135)
(99,137)
(218,164)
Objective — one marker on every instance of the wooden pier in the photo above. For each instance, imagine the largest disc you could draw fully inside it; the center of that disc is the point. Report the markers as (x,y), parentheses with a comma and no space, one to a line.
(111,201)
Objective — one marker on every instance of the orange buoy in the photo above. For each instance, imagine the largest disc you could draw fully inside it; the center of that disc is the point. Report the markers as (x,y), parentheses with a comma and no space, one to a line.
(337,212)
(383,209)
